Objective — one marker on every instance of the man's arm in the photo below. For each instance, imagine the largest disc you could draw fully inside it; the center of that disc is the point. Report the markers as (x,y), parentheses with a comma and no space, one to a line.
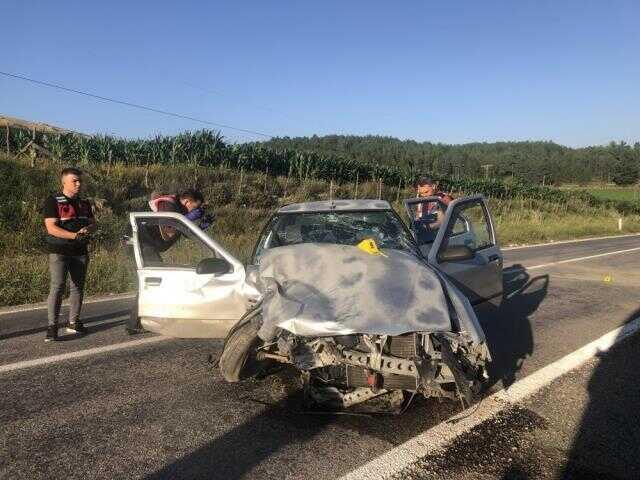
(166,232)
(446,200)
(51,224)
(51,219)
(439,219)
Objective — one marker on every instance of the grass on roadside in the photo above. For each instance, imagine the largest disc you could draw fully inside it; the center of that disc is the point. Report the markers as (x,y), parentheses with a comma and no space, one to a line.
(618,194)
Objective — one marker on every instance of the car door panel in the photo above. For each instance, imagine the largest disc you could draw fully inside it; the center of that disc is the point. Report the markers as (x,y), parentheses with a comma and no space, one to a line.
(480,278)
(174,300)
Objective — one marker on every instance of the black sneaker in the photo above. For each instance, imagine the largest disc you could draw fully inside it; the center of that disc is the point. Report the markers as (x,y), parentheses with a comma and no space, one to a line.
(52,333)
(78,327)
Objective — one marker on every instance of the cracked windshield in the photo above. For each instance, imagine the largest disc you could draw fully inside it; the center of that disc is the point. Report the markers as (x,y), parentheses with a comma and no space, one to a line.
(343,228)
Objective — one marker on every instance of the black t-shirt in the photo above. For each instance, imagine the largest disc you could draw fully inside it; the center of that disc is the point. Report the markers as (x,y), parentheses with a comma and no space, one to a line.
(72,214)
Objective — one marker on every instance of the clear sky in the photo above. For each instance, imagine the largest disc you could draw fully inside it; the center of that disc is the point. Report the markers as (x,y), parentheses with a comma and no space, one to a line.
(443,71)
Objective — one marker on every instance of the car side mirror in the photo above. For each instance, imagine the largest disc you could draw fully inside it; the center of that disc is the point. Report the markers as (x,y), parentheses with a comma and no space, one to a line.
(217,266)
(456,253)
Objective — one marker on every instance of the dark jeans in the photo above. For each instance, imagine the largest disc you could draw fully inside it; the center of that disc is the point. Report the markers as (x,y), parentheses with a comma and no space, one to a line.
(59,267)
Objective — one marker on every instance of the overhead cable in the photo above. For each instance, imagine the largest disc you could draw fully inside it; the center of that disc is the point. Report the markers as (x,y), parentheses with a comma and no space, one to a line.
(133,105)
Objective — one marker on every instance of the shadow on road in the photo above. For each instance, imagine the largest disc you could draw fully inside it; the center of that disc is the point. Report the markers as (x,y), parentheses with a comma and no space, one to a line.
(284,428)
(87,321)
(507,327)
(607,442)
(235,453)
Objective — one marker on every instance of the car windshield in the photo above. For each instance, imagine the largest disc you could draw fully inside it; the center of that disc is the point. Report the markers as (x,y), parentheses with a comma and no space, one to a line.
(342,228)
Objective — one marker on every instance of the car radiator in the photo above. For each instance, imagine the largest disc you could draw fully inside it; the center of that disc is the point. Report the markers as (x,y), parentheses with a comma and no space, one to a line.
(402,346)
(357,377)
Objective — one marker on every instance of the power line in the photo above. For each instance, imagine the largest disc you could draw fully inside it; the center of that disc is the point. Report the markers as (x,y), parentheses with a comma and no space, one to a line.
(133,105)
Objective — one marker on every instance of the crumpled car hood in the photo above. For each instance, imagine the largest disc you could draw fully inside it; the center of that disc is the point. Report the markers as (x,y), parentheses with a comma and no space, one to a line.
(327,290)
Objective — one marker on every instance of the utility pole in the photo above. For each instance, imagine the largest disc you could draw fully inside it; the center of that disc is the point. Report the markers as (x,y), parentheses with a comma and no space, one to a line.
(486,168)
(8,150)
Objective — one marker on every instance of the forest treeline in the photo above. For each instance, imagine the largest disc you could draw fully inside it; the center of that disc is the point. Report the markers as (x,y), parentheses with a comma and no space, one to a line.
(536,162)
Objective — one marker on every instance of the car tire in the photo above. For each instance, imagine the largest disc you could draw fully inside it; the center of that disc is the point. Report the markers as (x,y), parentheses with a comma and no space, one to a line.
(238,360)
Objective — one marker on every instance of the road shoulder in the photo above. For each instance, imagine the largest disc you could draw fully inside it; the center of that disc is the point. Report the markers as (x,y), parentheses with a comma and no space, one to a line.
(582,425)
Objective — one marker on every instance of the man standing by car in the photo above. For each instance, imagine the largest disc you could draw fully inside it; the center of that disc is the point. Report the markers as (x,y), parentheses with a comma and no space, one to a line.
(69,222)
(157,238)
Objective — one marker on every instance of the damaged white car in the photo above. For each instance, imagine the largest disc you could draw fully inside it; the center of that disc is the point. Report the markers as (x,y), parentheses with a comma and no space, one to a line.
(342,290)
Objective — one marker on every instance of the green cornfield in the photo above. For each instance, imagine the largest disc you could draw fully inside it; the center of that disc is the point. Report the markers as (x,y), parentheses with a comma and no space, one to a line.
(207,148)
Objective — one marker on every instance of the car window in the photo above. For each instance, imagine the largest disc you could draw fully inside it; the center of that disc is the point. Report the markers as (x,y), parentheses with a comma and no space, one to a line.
(470,227)
(460,226)
(186,252)
(342,228)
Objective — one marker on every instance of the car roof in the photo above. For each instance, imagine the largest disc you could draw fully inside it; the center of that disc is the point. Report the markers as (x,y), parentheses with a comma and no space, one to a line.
(336,205)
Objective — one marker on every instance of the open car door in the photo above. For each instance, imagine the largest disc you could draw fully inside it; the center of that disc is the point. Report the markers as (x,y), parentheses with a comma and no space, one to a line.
(194,289)
(459,240)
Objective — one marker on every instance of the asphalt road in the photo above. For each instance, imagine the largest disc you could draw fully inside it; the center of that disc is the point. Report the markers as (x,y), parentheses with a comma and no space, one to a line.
(161,410)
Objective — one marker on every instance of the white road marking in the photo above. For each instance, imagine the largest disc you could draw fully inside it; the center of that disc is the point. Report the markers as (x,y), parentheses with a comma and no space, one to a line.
(562,242)
(579,259)
(78,354)
(437,438)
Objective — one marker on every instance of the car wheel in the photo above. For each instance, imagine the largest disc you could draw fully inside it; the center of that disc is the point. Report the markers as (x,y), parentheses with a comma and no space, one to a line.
(238,361)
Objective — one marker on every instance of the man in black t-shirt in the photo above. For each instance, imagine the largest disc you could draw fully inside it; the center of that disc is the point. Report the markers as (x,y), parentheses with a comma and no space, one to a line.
(69,222)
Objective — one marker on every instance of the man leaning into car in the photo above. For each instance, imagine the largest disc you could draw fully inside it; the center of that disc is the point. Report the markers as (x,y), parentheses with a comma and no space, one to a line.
(427,187)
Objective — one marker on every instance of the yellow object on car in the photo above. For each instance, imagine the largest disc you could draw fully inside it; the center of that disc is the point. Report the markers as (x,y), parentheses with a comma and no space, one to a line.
(370,246)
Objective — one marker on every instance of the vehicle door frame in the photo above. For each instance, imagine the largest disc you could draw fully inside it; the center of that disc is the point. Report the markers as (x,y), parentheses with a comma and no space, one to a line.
(438,242)
(188,319)
(206,239)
